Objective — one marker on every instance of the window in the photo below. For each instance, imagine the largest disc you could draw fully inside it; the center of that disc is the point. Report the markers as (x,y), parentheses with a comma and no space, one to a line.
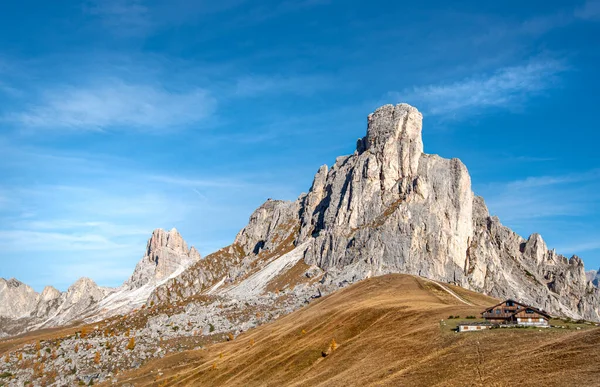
(529,311)
(497,311)
(509,303)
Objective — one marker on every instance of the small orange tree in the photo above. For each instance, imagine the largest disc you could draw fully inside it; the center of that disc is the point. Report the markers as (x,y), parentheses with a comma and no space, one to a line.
(97,358)
(131,344)
(76,348)
(7,358)
(333,345)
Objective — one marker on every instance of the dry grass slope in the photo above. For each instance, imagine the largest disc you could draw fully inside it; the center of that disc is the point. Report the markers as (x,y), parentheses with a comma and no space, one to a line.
(388,332)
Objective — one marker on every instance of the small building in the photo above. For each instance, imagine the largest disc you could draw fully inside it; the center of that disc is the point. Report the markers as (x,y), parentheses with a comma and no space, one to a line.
(513,312)
(473,326)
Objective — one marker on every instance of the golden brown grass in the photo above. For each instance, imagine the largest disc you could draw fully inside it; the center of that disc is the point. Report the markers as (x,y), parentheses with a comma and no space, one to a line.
(387,331)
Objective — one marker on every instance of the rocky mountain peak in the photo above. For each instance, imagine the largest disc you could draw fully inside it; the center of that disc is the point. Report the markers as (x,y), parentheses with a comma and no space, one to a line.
(170,239)
(50,293)
(17,299)
(390,208)
(13,282)
(166,253)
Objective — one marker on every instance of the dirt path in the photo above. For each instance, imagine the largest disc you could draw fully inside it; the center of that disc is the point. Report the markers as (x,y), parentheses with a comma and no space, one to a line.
(448,291)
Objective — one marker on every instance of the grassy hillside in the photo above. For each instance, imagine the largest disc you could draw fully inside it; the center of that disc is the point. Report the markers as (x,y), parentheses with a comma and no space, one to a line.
(388,331)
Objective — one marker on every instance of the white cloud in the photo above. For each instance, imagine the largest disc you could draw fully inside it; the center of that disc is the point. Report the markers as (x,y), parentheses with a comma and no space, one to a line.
(115,104)
(504,88)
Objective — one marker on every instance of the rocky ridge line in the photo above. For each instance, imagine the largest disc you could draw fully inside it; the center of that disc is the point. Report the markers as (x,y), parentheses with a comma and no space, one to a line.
(390,208)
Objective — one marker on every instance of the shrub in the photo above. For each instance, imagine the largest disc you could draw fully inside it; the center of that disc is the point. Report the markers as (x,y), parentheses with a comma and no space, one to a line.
(48,350)
(211,328)
(303,332)
(76,348)
(230,337)
(471,317)
(450,317)
(251,342)
(333,345)
(7,358)
(131,344)
(97,358)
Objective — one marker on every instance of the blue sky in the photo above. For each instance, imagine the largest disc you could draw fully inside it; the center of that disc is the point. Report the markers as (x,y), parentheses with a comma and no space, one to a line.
(121,116)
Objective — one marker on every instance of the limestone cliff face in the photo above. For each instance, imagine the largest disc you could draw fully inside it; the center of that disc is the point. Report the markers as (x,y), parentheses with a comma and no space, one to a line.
(16,299)
(390,208)
(271,231)
(166,253)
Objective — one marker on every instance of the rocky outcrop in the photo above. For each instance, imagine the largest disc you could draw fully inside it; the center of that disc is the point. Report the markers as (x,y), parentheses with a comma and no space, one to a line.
(270,233)
(166,253)
(21,308)
(17,300)
(390,208)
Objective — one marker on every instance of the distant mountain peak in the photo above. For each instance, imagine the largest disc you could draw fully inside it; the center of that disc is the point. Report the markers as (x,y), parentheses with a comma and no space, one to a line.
(166,253)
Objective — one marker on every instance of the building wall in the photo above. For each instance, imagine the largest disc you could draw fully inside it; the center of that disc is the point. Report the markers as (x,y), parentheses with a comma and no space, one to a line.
(472,328)
(533,318)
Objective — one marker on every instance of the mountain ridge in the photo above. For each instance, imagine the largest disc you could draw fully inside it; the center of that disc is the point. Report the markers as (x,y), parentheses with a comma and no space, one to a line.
(166,254)
(391,208)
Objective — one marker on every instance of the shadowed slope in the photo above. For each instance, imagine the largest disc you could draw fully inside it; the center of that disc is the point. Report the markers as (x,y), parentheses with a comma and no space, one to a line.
(389,332)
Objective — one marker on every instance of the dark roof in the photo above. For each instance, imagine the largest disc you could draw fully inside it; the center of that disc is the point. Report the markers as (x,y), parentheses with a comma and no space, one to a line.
(505,301)
(539,311)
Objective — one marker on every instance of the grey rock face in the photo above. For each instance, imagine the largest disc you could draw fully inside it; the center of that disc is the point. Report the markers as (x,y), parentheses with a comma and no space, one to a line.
(390,208)
(166,253)
(270,233)
(16,299)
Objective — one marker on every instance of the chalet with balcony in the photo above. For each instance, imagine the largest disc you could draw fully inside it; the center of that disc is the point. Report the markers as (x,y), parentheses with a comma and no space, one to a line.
(513,312)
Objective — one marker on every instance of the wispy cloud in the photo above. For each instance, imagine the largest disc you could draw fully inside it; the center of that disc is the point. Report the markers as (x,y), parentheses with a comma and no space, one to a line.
(122,17)
(544,181)
(580,246)
(504,88)
(115,104)
(589,11)
(543,196)
(252,86)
